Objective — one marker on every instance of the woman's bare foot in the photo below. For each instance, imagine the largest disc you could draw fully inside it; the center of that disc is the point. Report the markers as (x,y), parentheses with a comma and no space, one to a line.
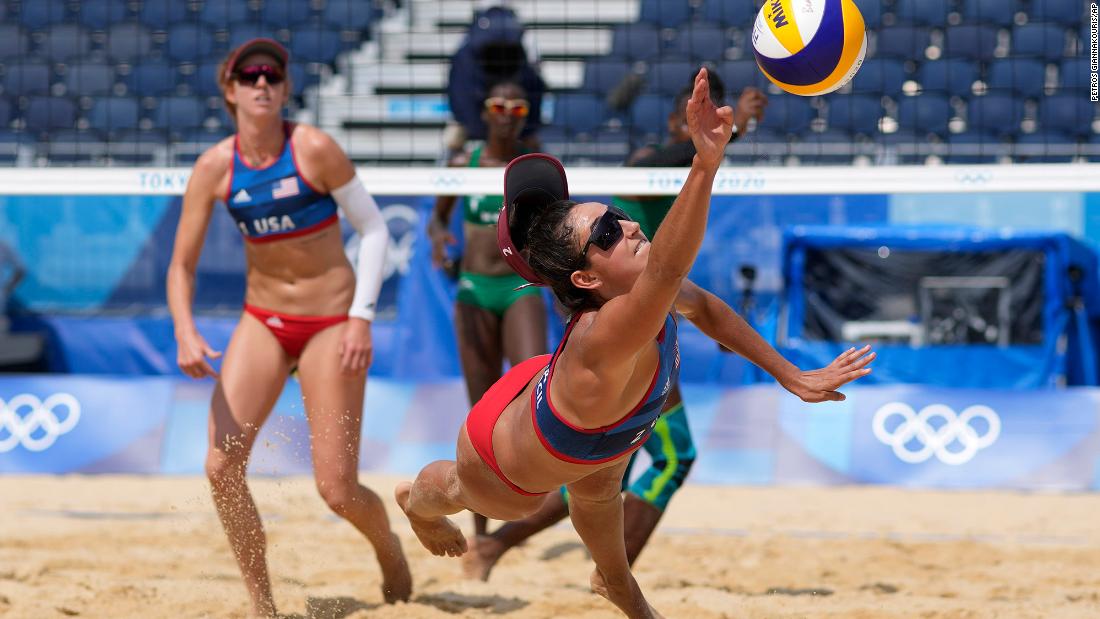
(396,578)
(626,595)
(439,535)
(485,551)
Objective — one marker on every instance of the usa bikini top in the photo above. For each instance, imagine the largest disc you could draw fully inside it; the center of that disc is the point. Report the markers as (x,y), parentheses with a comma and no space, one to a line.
(595,445)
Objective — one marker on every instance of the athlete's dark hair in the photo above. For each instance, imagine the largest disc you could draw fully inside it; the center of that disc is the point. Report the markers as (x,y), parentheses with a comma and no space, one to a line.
(505,82)
(551,250)
(717,90)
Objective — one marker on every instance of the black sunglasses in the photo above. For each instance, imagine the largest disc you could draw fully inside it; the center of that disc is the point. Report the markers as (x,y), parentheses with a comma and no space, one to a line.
(251,74)
(605,233)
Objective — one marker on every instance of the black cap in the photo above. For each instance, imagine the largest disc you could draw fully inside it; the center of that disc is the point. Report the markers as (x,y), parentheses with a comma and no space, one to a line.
(530,182)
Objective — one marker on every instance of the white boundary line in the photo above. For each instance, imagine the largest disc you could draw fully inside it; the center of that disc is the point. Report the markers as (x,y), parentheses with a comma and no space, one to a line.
(420,181)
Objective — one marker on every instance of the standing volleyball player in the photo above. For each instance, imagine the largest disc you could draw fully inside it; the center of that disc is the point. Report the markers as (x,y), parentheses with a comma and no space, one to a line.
(304,306)
(496,316)
(576,417)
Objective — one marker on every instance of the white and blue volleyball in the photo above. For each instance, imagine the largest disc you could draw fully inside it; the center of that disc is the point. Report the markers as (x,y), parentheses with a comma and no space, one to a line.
(809,47)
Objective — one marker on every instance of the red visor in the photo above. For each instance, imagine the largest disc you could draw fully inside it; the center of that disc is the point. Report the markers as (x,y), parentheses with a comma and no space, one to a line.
(530,182)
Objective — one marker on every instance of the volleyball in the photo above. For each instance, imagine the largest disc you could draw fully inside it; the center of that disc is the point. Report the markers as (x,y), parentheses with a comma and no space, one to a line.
(809,47)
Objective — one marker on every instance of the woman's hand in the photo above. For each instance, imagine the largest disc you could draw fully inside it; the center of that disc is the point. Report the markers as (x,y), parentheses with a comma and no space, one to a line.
(356,348)
(441,237)
(821,385)
(710,126)
(192,352)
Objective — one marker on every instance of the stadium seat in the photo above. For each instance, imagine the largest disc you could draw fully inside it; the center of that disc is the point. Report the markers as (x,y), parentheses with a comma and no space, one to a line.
(315,43)
(27,78)
(737,74)
(973,41)
(974,147)
(161,15)
(5,112)
(736,13)
(223,14)
(855,113)
(832,147)
(348,14)
(179,114)
(189,42)
(901,42)
(998,114)
(66,41)
(636,42)
(922,12)
(702,42)
(872,14)
(1022,76)
(665,14)
(995,12)
(1074,73)
(927,113)
(1046,41)
(1067,112)
(39,14)
(203,79)
(602,74)
(128,41)
(74,146)
(670,77)
(90,79)
(953,76)
(1035,147)
(649,114)
(152,78)
(579,113)
(47,113)
(284,14)
(13,41)
(1065,12)
(882,76)
(99,14)
(136,147)
(114,113)
(788,114)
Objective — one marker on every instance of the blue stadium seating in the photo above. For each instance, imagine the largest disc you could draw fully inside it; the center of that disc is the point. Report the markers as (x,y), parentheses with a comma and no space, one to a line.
(973,41)
(115,113)
(830,147)
(38,14)
(315,43)
(982,147)
(702,42)
(1047,41)
(602,74)
(649,114)
(189,42)
(789,114)
(1065,12)
(284,13)
(154,78)
(872,13)
(998,114)
(348,14)
(13,41)
(882,76)
(737,74)
(902,42)
(89,79)
(927,113)
(1022,76)
(179,114)
(46,113)
(221,14)
(636,42)
(670,77)
(246,32)
(922,12)
(665,14)
(73,146)
(855,113)
(737,13)
(1033,147)
(203,80)
(1067,112)
(161,15)
(64,42)
(128,41)
(996,12)
(954,76)
(5,112)
(99,14)
(27,78)
(1074,73)
(579,112)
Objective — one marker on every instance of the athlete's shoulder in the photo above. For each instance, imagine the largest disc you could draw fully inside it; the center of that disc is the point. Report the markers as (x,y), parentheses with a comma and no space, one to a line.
(215,162)
(309,142)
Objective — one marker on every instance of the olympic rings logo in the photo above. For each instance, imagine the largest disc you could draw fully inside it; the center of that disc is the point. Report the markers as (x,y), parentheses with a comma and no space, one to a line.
(34,423)
(933,440)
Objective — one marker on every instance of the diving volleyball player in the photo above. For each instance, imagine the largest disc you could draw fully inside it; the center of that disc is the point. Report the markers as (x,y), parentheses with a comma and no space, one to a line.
(305,306)
(575,418)
(495,316)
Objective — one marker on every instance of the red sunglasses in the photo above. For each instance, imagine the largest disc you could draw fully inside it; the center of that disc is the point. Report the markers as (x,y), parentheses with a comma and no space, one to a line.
(251,74)
(518,108)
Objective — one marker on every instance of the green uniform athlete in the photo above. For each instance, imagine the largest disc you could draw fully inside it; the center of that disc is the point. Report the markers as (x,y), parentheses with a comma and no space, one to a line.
(670,446)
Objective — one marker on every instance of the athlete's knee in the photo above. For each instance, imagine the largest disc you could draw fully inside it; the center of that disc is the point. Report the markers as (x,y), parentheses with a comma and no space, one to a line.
(222,466)
(338,493)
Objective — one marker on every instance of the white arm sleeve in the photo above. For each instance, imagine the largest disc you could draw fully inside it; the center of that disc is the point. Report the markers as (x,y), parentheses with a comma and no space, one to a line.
(363,215)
